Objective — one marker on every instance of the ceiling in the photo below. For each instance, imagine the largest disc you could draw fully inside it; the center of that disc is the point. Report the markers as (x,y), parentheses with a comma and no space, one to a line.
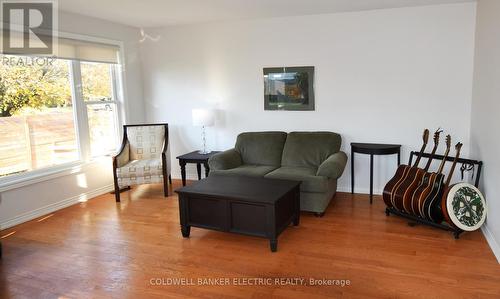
(157,13)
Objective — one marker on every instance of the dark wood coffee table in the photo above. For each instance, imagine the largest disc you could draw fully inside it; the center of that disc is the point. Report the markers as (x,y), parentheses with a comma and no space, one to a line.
(252,206)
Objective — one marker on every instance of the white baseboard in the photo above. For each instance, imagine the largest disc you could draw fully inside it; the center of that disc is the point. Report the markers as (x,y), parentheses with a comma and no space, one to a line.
(55,206)
(494,245)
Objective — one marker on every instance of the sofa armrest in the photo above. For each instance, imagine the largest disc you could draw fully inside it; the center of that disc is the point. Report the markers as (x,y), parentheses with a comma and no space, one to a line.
(225,160)
(333,167)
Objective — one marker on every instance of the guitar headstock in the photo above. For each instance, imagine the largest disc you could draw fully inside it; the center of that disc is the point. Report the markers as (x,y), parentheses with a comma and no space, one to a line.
(448,142)
(436,135)
(458,147)
(425,137)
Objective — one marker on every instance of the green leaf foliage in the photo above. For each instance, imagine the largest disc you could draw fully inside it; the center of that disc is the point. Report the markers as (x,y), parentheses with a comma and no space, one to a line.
(30,85)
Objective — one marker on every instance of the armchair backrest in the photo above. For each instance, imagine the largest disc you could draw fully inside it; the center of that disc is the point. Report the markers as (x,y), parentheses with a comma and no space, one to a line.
(309,149)
(146,141)
(261,148)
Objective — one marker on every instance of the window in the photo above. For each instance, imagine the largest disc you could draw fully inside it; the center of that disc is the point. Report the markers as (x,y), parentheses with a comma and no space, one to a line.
(98,96)
(55,111)
(37,127)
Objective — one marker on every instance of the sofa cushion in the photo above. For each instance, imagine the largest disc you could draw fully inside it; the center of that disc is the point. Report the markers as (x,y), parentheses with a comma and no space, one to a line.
(309,149)
(245,170)
(261,148)
(310,181)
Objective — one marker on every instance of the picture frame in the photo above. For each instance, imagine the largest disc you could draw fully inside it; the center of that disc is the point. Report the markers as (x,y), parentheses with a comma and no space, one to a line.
(289,88)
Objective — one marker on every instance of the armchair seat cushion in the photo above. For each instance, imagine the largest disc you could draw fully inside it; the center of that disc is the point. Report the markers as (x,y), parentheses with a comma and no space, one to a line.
(140,168)
(310,181)
(245,170)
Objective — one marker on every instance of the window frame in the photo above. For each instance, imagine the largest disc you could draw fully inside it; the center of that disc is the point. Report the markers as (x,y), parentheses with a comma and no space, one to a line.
(85,160)
(114,100)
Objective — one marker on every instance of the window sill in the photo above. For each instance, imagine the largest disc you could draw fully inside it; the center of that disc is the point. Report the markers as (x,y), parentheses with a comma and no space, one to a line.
(45,174)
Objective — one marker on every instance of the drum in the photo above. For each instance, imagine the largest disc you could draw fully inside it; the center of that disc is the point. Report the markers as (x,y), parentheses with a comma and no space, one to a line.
(465,206)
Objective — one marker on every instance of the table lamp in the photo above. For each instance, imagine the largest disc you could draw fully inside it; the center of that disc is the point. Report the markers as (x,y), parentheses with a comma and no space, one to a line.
(203,118)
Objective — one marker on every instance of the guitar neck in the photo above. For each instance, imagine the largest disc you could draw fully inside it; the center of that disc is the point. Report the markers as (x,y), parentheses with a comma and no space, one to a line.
(450,175)
(420,155)
(436,145)
(447,152)
(431,157)
(448,180)
(441,166)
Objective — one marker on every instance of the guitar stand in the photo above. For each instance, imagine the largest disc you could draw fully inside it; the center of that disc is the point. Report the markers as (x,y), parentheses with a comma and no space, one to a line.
(417,220)
(414,220)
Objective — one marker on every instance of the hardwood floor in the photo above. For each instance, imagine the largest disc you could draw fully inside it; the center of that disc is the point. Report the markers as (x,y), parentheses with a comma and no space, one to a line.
(103,249)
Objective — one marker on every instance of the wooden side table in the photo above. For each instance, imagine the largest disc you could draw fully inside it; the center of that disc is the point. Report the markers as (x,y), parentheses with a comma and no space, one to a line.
(195,158)
(372,149)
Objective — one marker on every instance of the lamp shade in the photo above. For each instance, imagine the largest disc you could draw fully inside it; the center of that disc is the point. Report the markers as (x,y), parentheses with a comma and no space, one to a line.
(203,117)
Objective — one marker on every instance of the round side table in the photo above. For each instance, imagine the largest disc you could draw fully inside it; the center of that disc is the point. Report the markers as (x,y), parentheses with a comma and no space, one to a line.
(372,149)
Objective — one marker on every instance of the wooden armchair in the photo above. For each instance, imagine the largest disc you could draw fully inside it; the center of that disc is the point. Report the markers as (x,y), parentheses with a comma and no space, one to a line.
(143,158)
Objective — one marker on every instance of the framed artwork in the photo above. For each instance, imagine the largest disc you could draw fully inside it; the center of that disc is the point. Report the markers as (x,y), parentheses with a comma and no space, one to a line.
(289,88)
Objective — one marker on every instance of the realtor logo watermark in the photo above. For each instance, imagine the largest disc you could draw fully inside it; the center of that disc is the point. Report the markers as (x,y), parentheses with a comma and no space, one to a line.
(249,281)
(29,27)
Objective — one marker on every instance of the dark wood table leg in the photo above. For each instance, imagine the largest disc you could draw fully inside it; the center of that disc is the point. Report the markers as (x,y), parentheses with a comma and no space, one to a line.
(399,157)
(273,243)
(352,171)
(271,228)
(371,179)
(182,163)
(186,230)
(296,219)
(207,169)
(198,170)
(183,213)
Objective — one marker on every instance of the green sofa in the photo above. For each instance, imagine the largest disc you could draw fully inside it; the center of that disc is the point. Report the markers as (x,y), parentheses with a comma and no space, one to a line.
(314,158)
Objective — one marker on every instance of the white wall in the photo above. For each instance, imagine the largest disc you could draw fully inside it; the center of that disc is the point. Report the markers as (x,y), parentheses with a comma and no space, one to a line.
(485,143)
(28,202)
(381,76)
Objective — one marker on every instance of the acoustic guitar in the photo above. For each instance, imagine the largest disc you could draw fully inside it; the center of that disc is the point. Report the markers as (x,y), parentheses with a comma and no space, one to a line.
(447,188)
(409,201)
(400,174)
(408,184)
(432,209)
(435,184)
